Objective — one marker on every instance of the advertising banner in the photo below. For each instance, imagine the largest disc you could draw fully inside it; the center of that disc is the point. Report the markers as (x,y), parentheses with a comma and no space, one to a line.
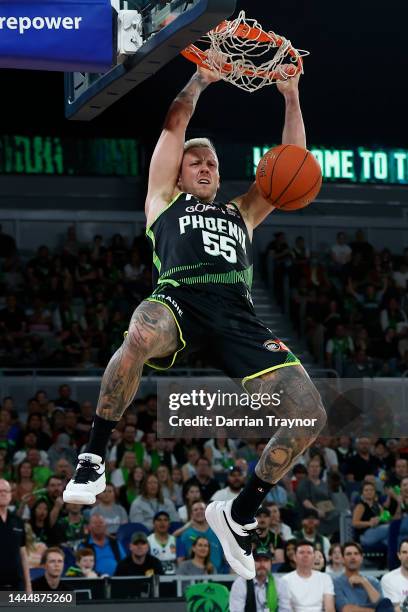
(58,35)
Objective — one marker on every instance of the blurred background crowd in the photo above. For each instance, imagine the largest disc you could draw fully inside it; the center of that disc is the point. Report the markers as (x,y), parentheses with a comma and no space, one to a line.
(153,507)
(70,308)
(350,303)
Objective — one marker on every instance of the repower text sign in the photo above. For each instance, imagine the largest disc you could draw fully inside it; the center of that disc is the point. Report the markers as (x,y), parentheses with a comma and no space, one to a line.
(60,35)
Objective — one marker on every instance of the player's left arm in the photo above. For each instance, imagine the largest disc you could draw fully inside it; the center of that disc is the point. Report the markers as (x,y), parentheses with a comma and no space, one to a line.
(254,208)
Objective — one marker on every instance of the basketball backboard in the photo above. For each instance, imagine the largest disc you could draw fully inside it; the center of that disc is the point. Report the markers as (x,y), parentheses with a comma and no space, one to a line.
(166,28)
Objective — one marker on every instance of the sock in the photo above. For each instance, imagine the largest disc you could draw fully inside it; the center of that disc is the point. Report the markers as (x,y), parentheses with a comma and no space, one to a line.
(100,434)
(248,501)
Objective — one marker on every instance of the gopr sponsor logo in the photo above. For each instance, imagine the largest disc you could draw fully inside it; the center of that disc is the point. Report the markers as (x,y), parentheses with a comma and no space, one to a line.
(24,24)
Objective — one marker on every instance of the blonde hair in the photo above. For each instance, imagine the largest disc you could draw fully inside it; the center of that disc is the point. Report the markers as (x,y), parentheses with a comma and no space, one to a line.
(200,143)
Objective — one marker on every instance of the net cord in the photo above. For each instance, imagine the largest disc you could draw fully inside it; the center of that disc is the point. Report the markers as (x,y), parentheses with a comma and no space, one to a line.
(237,51)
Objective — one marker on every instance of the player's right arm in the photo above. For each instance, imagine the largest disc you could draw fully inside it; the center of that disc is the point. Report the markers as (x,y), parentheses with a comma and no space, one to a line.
(168,154)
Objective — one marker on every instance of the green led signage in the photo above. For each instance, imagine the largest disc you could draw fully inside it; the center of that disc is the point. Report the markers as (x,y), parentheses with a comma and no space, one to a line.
(356,165)
(63,156)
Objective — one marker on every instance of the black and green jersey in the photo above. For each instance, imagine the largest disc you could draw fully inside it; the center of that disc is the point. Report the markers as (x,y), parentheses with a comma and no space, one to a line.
(196,243)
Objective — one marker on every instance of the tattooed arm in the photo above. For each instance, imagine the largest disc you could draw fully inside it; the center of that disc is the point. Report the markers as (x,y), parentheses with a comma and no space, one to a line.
(168,154)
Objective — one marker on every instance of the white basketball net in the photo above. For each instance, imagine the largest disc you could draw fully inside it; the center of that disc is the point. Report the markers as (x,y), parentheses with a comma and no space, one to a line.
(249,63)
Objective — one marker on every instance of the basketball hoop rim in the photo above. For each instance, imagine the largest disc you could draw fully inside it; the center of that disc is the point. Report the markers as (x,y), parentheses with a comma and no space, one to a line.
(198,56)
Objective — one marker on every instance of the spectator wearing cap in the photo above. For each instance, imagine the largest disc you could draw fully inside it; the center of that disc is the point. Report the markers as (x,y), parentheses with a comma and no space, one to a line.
(264,592)
(108,551)
(140,562)
(355,592)
(309,589)
(199,564)
(269,540)
(310,532)
(208,485)
(114,514)
(395,584)
(235,483)
(162,544)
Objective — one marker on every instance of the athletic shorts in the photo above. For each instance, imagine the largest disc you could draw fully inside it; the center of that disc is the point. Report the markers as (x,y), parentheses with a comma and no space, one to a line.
(224,328)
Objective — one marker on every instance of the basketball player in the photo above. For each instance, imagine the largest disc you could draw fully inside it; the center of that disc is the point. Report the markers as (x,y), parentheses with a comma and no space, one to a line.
(203,267)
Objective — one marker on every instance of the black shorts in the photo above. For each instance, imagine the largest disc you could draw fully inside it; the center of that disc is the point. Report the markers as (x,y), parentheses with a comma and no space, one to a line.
(223,327)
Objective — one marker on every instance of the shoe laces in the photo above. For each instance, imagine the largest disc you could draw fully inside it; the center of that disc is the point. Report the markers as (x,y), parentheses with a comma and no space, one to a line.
(85,471)
(251,539)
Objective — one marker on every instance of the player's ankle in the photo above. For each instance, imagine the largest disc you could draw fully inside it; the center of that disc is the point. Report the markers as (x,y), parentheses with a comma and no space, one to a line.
(246,504)
(100,433)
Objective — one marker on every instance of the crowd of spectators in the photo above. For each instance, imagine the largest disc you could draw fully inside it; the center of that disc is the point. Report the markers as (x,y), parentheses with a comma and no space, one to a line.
(312,585)
(151,517)
(69,308)
(350,304)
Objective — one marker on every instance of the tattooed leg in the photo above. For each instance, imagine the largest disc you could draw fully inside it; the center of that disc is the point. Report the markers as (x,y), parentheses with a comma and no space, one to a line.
(152,333)
(300,399)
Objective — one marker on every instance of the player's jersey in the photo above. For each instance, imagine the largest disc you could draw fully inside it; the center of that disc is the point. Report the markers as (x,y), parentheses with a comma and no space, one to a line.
(195,243)
(165,553)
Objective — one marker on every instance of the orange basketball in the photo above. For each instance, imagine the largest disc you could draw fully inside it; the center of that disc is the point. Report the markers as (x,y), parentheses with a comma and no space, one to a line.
(289,177)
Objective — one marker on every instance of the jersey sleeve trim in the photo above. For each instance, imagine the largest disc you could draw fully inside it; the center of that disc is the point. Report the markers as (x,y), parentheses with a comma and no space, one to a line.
(163,211)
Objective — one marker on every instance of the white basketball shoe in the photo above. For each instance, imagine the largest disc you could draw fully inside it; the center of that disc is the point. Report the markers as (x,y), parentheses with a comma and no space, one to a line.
(88,481)
(236,540)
